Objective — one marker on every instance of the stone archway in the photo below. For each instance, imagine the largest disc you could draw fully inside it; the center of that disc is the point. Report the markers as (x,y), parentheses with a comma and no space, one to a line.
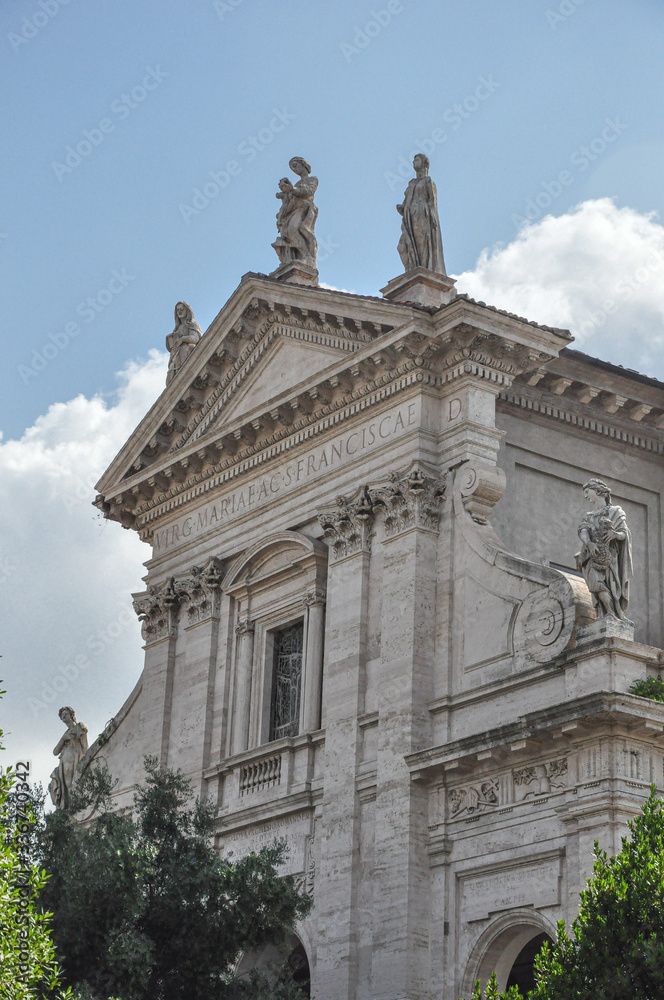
(289,960)
(508,948)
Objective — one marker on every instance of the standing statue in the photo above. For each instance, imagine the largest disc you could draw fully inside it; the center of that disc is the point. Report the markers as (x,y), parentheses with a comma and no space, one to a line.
(297,216)
(71,747)
(605,558)
(183,340)
(421,244)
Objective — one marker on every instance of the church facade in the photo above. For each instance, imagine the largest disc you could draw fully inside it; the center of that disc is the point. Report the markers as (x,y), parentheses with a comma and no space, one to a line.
(365,629)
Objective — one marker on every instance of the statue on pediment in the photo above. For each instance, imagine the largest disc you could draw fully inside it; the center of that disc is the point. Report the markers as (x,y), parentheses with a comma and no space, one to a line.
(605,558)
(70,748)
(297,215)
(181,342)
(421,244)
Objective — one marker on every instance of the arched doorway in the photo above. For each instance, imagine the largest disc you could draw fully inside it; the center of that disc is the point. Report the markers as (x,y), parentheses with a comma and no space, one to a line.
(522,973)
(508,947)
(286,963)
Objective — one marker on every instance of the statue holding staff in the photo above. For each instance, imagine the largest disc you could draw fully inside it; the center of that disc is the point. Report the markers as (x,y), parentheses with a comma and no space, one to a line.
(605,558)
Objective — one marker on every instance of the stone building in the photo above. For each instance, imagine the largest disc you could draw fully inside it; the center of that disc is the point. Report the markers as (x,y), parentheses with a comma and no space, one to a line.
(364,627)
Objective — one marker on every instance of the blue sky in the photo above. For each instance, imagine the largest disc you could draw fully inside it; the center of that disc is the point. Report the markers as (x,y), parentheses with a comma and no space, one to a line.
(548,112)
(551,80)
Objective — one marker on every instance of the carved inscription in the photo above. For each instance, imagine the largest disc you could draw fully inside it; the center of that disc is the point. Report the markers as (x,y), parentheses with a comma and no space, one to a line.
(295,830)
(314,464)
(535,884)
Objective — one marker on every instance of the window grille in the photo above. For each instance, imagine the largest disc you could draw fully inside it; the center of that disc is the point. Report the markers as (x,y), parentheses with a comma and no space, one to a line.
(286,681)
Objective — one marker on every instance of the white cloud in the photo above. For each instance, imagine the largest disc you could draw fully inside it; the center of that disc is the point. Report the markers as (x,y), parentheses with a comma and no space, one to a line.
(598,271)
(66,575)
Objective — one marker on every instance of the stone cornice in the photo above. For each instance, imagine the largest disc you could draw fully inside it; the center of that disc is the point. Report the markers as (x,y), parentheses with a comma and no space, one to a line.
(570,720)
(590,408)
(187,457)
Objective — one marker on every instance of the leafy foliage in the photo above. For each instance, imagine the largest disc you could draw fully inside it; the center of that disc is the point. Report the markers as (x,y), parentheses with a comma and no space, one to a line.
(652,687)
(492,992)
(143,906)
(27,956)
(617,945)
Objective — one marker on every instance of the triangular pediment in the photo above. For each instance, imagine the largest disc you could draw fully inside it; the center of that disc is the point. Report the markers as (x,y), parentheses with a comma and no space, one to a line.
(285,364)
(267,340)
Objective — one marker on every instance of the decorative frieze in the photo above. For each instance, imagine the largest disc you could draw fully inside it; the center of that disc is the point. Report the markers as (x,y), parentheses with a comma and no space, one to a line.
(348,525)
(539,779)
(491,794)
(476,798)
(408,501)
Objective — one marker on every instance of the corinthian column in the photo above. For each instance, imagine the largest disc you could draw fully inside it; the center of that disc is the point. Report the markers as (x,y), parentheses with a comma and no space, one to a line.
(244,666)
(313,664)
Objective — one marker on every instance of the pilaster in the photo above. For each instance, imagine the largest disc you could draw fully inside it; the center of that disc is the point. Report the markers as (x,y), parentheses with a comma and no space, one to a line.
(411,505)
(347,526)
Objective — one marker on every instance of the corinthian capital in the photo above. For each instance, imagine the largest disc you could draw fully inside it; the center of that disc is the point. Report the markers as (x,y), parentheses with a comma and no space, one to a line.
(157,611)
(409,501)
(199,591)
(347,524)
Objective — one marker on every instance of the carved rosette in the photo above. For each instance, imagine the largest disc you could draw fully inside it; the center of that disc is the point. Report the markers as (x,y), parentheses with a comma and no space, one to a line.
(200,591)
(348,525)
(157,611)
(409,501)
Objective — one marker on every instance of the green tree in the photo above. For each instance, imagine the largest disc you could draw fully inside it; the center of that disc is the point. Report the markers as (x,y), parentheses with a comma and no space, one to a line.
(27,957)
(145,909)
(616,951)
(651,687)
(493,993)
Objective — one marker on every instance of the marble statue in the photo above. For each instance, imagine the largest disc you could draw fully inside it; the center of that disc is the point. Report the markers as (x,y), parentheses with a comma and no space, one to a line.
(605,558)
(421,244)
(182,340)
(70,748)
(296,217)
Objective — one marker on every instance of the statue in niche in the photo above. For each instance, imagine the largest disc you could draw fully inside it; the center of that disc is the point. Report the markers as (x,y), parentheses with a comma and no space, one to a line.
(297,216)
(181,342)
(421,244)
(70,747)
(605,558)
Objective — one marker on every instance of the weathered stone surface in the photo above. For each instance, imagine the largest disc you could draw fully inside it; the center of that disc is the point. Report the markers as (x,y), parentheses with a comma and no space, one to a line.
(401,485)
(70,749)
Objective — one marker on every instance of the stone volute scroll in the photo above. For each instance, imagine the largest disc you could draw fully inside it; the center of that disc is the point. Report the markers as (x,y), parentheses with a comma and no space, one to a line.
(605,557)
(296,245)
(70,748)
(182,341)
